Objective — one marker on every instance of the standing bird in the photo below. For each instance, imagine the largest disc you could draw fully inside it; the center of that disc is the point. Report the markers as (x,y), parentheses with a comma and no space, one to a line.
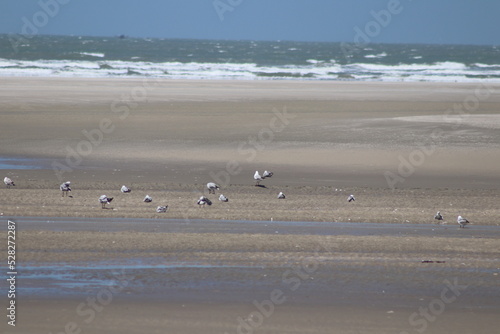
(105,200)
(351,198)
(148,199)
(212,187)
(267,174)
(438,216)
(162,209)
(257,177)
(223,198)
(462,221)
(203,200)
(65,188)
(125,189)
(281,195)
(8,182)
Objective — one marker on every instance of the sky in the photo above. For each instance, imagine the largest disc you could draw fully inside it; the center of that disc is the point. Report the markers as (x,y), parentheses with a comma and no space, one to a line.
(377,21)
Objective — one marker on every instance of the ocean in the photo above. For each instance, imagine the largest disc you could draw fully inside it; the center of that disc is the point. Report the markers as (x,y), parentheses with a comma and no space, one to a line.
(98,57)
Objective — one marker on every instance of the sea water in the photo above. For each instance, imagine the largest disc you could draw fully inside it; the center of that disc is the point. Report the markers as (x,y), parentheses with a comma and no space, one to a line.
(97,57)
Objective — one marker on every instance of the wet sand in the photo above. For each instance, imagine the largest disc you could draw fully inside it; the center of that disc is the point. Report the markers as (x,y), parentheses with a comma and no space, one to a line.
(262,277)
(404,150)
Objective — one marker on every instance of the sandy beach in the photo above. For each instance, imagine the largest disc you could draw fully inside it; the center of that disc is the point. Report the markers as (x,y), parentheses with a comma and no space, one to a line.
(405,150)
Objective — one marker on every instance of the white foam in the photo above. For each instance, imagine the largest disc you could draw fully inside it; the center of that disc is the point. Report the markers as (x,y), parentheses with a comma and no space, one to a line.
(377,56)
(313,70)
(93,54)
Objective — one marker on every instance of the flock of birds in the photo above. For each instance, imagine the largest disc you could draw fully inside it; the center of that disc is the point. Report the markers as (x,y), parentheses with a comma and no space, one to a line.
(203,200)
(124,189)
(212,187)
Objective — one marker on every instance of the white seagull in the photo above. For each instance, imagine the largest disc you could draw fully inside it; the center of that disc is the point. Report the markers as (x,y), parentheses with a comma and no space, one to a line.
(125,189)
(438,216)
(351,198)
(281,195)
(203,200)
(162,209)
(148,199)
(267,174)
(223,198)
(65,188)
(462,221)
(105,200)
(212,187)
(257,177)
(8,182)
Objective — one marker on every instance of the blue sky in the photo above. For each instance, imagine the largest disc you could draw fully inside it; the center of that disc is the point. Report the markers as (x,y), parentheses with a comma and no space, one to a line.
(399,21)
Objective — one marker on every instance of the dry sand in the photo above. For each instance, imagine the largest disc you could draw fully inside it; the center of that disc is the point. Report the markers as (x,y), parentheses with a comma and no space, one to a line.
(332,134)
(324,204)
(406,150)
(438,144)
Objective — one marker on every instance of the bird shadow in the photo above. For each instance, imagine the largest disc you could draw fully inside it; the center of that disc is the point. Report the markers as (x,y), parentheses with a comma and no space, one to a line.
(261,186)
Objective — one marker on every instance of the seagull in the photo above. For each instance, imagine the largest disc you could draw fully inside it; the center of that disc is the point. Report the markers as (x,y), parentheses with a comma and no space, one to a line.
(148,199)
(257,177)
(438,216)
(8,182)
(203,200)
(125,189)
(462,221)
(351,198)
(281,195)
(223,198)
(267,174)
(212,187)
(162,209)
(105,200)
(65,188)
